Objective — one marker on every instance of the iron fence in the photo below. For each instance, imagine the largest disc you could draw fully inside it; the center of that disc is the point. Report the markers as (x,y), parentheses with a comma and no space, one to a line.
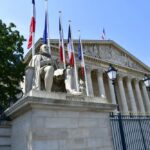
(130,132)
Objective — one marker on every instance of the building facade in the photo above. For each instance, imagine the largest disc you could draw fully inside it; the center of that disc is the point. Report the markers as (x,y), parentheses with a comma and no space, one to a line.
(61,121)
(132,94)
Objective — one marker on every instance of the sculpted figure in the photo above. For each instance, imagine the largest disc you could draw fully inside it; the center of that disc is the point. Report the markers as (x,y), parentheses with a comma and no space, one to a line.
(42,63)
(68,83)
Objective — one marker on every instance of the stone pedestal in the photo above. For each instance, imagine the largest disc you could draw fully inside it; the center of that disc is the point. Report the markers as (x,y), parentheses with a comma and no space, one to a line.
(56,121)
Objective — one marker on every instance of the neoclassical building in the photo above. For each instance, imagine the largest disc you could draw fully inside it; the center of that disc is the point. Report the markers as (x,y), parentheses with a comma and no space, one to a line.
(132,94)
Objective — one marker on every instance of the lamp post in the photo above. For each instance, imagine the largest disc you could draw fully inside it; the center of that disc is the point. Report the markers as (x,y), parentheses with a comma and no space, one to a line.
(112,74)
(147,81)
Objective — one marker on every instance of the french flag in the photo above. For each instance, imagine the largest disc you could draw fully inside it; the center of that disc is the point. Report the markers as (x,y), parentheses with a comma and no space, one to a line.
(32,27)
(70,48)
(61,42)
(80,57)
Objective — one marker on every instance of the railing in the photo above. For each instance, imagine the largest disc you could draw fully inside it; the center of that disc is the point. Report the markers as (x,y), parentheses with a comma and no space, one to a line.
(130,132)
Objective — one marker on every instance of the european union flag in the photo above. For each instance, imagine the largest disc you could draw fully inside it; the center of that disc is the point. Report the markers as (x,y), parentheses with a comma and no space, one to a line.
(45,34)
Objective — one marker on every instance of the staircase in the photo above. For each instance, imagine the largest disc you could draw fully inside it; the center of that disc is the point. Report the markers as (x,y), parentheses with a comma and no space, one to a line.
(5,135)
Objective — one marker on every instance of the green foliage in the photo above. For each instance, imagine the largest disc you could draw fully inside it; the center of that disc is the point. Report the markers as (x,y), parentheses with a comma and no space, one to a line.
(11,62)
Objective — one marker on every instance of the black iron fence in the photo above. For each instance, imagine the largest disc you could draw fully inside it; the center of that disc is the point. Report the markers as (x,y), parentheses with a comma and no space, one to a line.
(130,132)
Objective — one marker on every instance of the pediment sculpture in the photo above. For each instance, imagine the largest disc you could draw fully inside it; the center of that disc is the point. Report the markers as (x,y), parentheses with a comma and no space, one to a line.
(113,54)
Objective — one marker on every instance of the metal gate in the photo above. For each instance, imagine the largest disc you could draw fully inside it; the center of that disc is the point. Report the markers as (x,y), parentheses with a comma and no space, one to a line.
(130,132)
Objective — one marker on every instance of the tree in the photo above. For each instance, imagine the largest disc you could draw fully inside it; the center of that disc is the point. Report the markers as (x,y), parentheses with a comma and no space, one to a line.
(11,63)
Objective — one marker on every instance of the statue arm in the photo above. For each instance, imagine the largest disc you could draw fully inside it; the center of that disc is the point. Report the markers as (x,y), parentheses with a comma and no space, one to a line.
(45,62)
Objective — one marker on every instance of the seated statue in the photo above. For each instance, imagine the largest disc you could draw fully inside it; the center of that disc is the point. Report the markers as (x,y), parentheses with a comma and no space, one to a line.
(43,75)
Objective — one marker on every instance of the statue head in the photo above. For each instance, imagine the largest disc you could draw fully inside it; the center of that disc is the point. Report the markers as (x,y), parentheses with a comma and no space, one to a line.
(44,49)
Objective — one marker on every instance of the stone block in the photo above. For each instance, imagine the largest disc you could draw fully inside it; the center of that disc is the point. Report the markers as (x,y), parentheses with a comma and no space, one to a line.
(50,134)
(45,145)
(88,122)
(78,133)
(5,147)
(61,123)
(5,131)
(5,141)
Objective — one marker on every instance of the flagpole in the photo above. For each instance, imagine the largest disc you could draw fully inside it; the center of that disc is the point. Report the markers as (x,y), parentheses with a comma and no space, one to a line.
(62,40)
(75,66)
(85,75)
(48,38)
(33,44)
(33,33)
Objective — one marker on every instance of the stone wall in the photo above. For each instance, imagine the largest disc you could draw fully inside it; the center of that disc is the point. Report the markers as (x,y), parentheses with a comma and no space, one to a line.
(70,130)
(62,130)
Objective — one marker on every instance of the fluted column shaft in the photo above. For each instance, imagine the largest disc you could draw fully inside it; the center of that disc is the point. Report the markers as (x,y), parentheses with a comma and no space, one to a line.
(122,95)
(131,96)
(139,97)
(146,98)
(89,79)
(101,84)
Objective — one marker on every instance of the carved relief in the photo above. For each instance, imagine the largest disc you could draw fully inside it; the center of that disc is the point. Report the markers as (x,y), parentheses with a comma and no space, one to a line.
(110,53)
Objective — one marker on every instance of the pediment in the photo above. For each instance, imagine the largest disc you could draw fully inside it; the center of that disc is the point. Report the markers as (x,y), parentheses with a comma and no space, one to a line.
(106,50)
(115,54)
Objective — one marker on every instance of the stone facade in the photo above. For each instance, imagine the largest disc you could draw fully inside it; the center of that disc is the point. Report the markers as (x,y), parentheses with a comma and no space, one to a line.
(132,95)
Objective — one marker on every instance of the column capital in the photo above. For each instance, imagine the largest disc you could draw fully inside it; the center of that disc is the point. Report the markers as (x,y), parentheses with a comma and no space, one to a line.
(129,78)
(136,80)
(88,69)
(100,71)
(120,77)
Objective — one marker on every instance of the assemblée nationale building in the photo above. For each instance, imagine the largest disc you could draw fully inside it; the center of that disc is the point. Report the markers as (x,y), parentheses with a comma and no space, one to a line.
(58,121)
(132,94)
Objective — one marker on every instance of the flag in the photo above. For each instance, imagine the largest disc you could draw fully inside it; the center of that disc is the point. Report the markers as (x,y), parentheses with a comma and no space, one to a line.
(45,33)
(32,27)
(70,48)
(61,42)
(83,70)
(80,57)
(103,34)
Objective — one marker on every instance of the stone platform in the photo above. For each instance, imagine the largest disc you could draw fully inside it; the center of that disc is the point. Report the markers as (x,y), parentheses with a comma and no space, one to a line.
(56,121)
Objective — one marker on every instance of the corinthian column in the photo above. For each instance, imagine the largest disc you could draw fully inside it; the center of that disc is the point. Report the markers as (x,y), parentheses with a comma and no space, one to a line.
(131,96)
(146,98)
(122,95)
(101,83)
(139,97)
(89,80)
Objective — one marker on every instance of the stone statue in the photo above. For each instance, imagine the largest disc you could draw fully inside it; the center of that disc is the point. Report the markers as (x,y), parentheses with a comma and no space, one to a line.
(82,87)
(59,81)
(68,83)
(43,75)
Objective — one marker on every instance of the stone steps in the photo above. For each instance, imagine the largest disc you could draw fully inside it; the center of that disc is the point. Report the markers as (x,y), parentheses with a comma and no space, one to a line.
(5,136)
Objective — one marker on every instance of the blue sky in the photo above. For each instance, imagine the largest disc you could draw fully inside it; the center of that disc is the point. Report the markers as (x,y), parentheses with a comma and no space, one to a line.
(127,22)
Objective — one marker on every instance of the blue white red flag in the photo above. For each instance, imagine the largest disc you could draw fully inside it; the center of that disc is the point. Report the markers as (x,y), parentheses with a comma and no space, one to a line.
(61,42)
(80,56)
(45,33)
(70,48)
(32,27)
